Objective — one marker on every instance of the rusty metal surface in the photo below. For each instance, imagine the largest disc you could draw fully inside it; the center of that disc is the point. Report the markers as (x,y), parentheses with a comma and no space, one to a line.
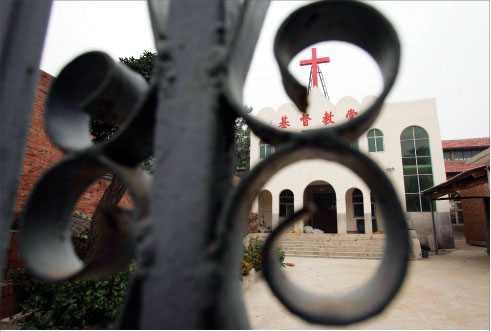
(186,226)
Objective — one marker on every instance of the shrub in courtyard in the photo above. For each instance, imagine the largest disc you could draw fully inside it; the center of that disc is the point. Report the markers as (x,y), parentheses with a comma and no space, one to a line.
(79,304)
(245,268)
(253,254)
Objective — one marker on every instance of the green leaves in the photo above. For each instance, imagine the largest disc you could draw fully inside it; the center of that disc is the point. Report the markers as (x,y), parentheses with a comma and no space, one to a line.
(253,254)
(72,305)
(143,65)
(242,139)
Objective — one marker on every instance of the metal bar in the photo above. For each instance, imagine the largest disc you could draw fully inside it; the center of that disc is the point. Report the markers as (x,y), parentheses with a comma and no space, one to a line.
(486,213)
(457,198)
(22,29)
(322,82)
(310,81)
(179,291)
(434,227)
(190,248)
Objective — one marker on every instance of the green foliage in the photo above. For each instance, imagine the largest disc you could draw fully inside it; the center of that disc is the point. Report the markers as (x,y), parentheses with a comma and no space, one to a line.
(253,255)
(242,139)
(90,303)
(281,256)
(143,65)
(81,215)
(148,164)
(245,268)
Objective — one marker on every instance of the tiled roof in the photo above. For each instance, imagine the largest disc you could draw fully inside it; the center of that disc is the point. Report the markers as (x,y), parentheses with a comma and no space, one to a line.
(458,166)
(465,143)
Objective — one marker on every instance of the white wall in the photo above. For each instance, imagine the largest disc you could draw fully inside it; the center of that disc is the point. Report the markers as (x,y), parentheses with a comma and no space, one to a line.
(393,119)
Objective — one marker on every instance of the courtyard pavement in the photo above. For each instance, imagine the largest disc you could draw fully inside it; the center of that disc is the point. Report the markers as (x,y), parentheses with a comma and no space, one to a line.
(445,292)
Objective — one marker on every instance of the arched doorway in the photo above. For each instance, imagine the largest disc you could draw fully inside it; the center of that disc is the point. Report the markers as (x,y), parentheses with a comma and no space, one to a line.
(265,204)
(323,196)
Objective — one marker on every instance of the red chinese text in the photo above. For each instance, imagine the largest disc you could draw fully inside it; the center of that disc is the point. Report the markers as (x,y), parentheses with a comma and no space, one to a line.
(351,113)
(305,119)
(284,122)
(327,118)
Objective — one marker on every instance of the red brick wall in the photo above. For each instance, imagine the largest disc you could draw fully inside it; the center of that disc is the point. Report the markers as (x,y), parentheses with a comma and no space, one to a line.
(41,154)
(475,221)
(8,301)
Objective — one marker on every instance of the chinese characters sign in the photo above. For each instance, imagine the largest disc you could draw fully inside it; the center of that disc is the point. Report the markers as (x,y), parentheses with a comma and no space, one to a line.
(351,114)
(305,120)
(327,118)
(284,122)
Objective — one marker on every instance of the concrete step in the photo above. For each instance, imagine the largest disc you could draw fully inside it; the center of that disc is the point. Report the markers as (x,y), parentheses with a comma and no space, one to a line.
(359,255)
(340,255)
(326,236)
(334,250)
(331,240)
(304,246)
(323,236)
(337,256)
(298,243)
(369,246)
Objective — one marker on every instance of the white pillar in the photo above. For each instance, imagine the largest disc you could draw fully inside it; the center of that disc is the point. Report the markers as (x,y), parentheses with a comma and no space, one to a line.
(341,211)
(275,202)
(298,205)
(367,212)
(255,205)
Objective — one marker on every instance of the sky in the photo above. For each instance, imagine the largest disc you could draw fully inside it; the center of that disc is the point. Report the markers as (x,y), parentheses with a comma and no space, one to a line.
(445,54)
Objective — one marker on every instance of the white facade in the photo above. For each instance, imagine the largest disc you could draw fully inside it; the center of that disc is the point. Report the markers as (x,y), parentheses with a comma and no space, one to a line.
(311,180)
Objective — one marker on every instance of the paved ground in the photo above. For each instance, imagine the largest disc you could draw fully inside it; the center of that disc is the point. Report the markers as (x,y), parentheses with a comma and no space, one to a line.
(449,291)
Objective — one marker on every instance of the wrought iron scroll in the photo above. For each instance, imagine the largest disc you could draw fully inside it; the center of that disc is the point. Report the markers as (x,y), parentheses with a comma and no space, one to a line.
(186,228)
(363,26)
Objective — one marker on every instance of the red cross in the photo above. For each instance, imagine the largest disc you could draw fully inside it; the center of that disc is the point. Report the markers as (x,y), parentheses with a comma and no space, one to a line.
(314,61)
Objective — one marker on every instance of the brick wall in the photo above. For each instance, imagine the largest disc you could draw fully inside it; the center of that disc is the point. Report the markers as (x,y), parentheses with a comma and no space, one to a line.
(8,301)
(475,221)
(40,154)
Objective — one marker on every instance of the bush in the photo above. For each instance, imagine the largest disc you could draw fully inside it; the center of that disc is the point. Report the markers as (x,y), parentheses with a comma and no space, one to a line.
(70,305)
(246,267)
(253,255)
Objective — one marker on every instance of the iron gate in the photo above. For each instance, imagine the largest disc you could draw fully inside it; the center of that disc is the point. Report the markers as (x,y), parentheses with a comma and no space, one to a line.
(194,213)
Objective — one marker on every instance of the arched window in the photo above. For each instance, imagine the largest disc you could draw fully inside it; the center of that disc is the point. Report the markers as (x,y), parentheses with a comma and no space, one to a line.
(265,150)
(416,165)
(286,203)
(357,203)
(375,140)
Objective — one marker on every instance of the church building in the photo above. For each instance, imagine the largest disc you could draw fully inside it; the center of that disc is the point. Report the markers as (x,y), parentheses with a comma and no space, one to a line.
(404,141)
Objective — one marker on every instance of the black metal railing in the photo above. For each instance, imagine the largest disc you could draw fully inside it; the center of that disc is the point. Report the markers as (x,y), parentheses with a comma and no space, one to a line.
(187,222)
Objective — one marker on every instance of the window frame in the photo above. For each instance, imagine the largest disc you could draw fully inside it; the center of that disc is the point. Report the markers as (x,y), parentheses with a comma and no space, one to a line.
(447,155)
(456,210)
(375,135)
(267,152)
(285,201)
(359,194)
(408,175)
